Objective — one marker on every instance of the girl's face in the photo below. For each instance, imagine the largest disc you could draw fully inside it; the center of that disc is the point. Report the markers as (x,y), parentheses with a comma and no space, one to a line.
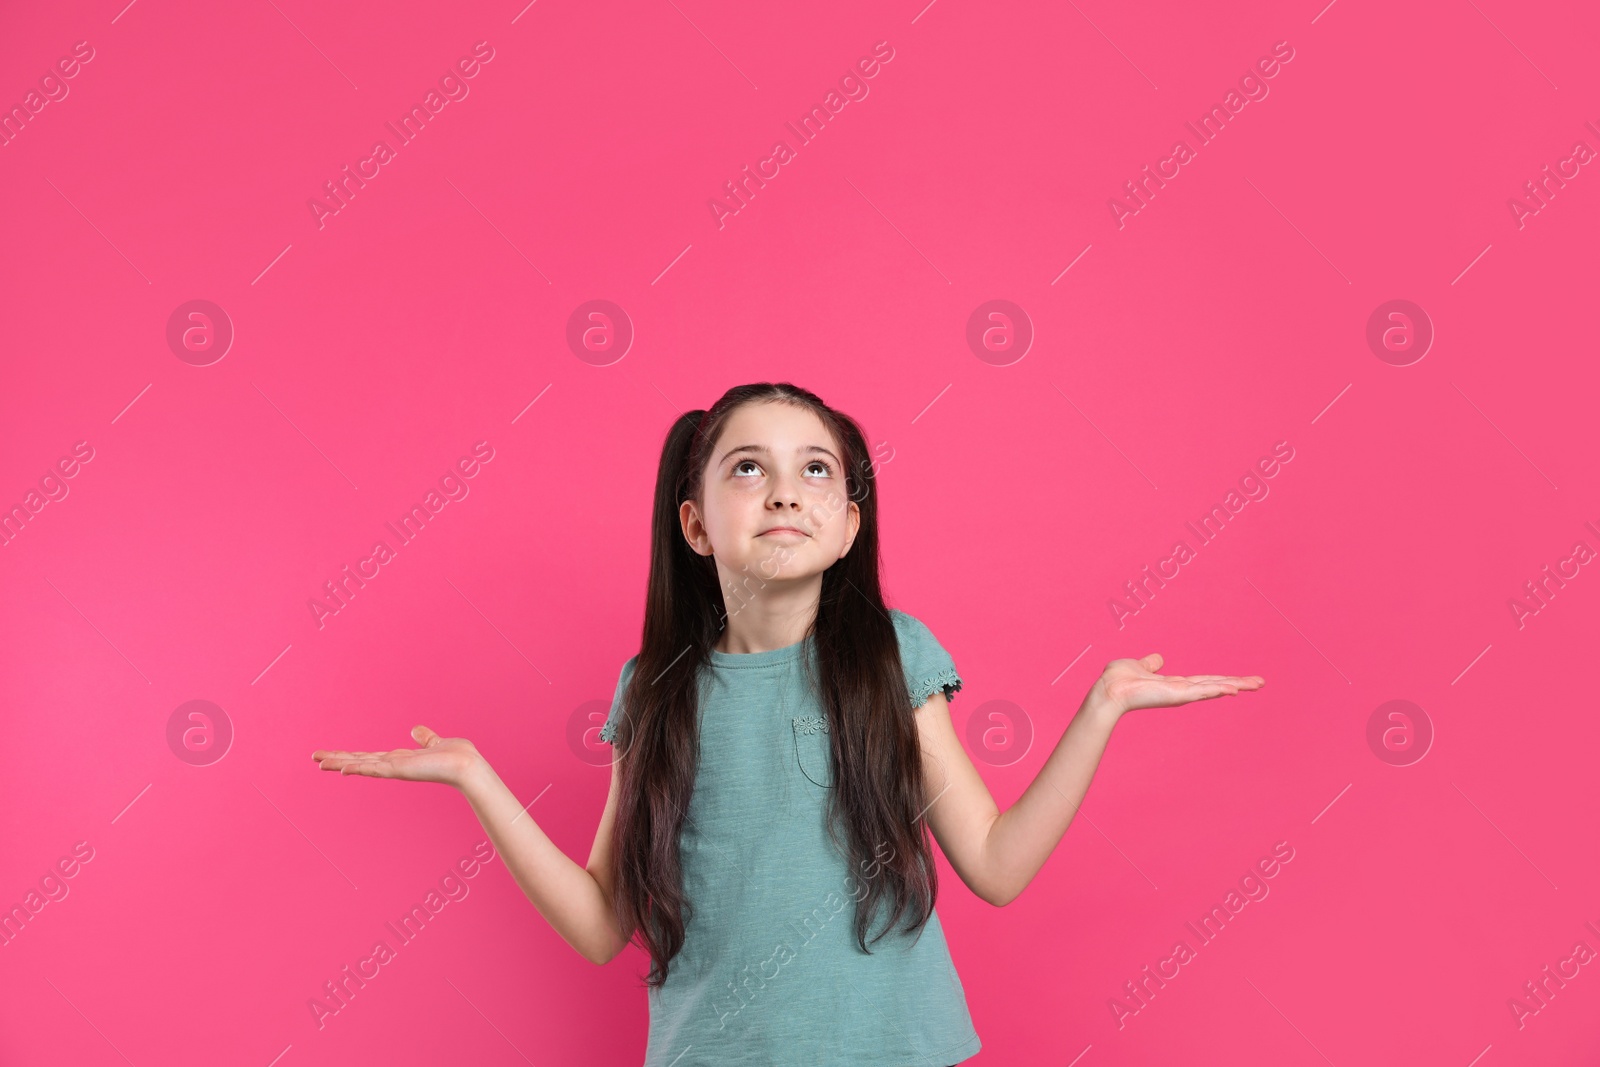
(775,465)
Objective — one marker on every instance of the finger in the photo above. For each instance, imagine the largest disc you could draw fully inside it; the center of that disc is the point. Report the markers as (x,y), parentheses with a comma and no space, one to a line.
(424,736)
(341,761)
(1251,680)
(1206,691)
(1233,684)
(339,757)
(1242,683)
(1152,662)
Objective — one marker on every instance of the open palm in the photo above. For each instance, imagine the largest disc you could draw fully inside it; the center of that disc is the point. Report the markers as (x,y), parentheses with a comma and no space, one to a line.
(440,759)
(1133,683)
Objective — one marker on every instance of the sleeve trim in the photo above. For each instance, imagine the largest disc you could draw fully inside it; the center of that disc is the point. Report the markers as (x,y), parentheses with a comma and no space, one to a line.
(947,680)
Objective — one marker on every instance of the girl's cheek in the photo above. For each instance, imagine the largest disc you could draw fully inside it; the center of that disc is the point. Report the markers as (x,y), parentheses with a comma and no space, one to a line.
(825,508)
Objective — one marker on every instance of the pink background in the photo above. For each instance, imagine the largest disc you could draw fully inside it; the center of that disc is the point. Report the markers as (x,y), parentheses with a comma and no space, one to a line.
(428,314)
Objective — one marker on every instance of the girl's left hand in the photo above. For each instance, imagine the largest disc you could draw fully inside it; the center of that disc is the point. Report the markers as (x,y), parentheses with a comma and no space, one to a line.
(1128,684)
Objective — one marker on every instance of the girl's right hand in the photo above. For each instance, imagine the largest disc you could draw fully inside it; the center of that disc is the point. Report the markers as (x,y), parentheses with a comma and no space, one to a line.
(440,759)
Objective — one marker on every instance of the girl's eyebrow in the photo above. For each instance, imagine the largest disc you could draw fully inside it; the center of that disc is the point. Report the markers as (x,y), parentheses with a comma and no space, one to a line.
(764,450)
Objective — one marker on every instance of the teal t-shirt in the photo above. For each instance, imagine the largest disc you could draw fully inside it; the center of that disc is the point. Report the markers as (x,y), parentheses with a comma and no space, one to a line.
(770,972)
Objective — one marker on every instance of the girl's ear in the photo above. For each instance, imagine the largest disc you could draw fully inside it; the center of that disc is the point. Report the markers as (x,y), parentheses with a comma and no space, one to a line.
(694,530)
(855,526)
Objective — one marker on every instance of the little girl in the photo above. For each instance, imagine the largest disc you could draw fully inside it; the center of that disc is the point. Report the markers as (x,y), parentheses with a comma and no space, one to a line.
(782,742)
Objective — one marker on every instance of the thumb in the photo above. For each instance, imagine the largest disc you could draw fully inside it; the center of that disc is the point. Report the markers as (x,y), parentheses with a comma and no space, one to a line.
(424,736)
(1153,661)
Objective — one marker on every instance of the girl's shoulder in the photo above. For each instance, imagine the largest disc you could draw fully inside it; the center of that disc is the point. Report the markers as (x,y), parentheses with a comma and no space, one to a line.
(608,732)
(928,667)
(907,625)
(913,634)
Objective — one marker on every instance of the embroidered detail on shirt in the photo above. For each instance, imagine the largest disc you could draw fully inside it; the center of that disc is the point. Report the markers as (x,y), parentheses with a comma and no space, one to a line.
(811,724)
(945,679)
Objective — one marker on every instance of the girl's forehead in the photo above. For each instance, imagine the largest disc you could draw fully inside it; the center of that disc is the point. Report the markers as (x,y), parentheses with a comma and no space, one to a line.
(776,427)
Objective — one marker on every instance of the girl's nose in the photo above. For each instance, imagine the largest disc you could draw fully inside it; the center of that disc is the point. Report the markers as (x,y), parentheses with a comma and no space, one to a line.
(784,496)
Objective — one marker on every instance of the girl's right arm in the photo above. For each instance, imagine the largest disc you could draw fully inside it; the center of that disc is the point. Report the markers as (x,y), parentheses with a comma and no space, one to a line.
(573,899)
(576,901)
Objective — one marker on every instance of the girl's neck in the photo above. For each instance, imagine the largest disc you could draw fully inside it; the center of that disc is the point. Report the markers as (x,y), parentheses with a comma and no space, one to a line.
(769,619)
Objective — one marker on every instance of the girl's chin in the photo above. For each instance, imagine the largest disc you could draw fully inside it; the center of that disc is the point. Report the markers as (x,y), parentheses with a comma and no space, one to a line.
(764,568)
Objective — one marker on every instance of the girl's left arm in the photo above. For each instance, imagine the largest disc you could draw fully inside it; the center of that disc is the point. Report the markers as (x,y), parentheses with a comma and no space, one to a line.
(998,853)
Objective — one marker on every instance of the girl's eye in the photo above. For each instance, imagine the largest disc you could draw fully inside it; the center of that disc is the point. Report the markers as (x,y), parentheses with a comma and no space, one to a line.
(825,472)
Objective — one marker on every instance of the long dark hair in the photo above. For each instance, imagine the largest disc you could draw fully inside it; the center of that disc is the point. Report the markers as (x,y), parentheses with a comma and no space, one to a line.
(877,801)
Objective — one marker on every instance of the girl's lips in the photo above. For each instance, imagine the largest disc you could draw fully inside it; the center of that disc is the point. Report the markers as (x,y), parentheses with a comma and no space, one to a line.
(783,530)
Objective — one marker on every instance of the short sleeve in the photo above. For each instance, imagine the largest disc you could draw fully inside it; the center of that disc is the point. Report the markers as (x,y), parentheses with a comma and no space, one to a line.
(928,667)
(608,732)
